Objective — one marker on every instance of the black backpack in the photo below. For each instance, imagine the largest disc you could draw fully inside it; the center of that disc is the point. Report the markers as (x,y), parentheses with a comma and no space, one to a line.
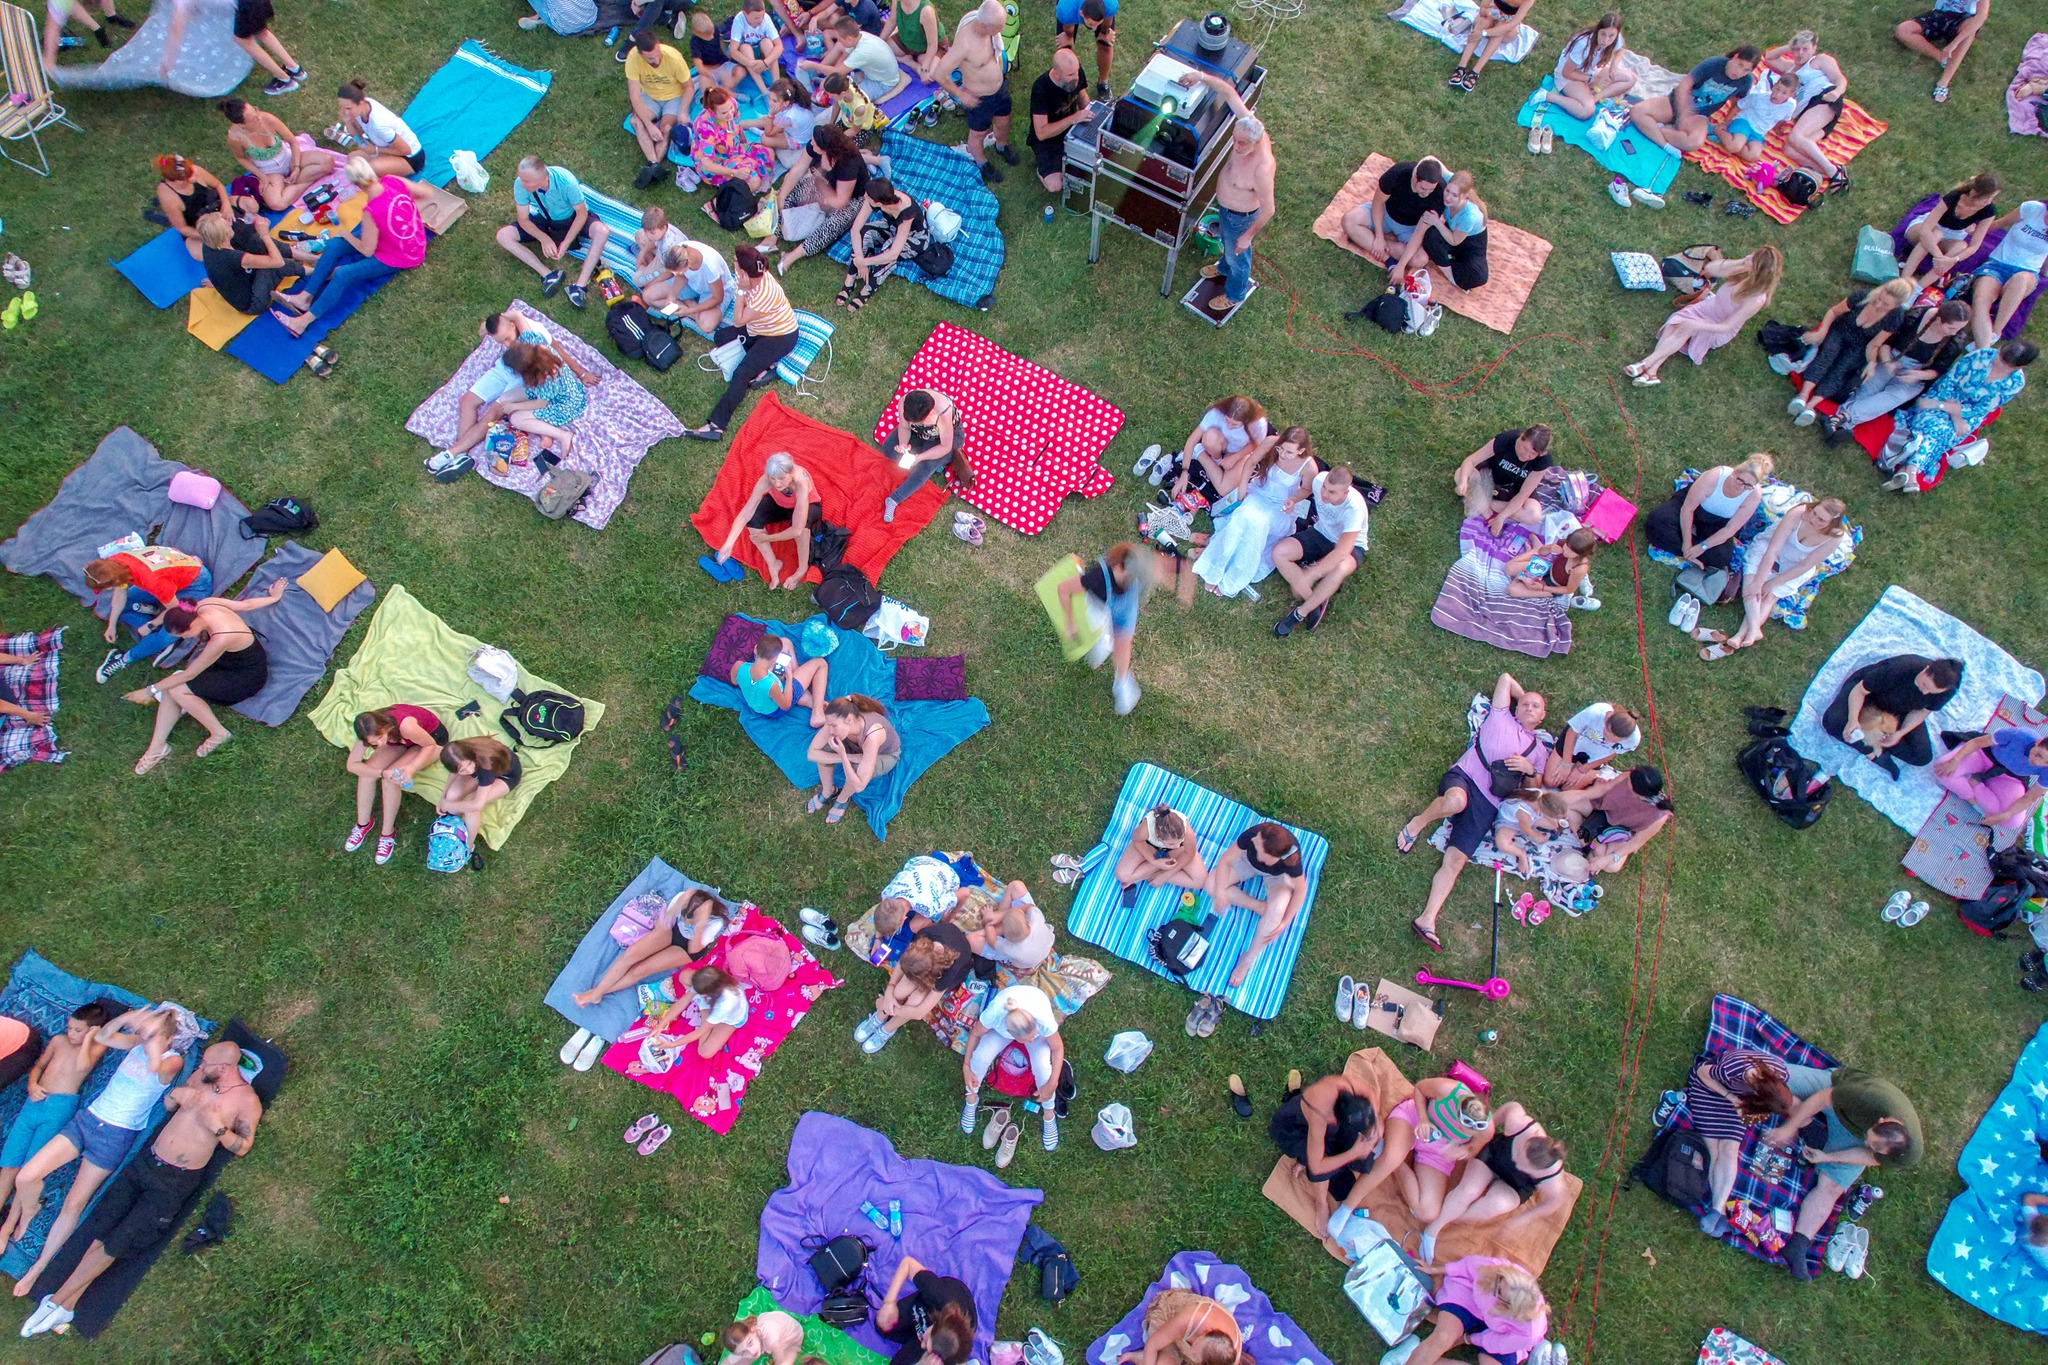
(639,336)
(1992,913)
(828,544)
(733,205)
(1781,338)
(547,718)
(285,516)
(1799,187)
(1180,945)
(1780,775)
(841,1264)
(1675,1168)
(846,597)
(1057,1277)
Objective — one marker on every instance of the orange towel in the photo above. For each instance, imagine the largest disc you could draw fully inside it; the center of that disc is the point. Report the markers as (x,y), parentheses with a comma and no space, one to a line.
(1514,258)
(1852,132)
(1310,1205)
(212,319)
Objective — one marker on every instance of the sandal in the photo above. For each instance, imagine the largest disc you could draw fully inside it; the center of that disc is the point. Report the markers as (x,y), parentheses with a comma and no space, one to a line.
(1066,876)
(151,758)
(1404,841)
(640,1127)
(676,753)
(1714,652)
(1647,381)
(672,713)
(816,804)
(1707,635)
(1436,945)
(1240,1102)
(1066,860)
(210,745)
(1941,94)
(859,301)
(320,362)
(845,295)
(836,814)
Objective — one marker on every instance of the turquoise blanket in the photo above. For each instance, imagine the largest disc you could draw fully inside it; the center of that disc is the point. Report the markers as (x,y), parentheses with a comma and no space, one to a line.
(472,104)
(1648,165)
(1976,1253)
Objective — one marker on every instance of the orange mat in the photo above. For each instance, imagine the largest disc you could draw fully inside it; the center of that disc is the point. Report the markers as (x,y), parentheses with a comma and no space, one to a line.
(1514,258)
(852,479)
(1309,1204)
(1853,131)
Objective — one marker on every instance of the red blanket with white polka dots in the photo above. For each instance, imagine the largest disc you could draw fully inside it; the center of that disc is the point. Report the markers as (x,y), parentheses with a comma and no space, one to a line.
(1032,437)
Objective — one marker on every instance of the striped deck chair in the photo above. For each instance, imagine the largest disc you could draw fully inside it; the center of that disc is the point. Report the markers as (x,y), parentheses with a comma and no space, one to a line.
(29,108)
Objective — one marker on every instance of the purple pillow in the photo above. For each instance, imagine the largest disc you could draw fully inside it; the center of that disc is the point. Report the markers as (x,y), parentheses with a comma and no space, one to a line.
(735,641)
(932,679)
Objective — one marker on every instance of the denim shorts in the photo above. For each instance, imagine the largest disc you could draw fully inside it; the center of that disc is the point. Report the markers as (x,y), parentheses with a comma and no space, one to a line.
(2002,271)
(103,1144)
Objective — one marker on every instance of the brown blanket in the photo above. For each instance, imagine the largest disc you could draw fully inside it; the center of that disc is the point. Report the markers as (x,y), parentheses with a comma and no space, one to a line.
(1310,1205)
(1514,258)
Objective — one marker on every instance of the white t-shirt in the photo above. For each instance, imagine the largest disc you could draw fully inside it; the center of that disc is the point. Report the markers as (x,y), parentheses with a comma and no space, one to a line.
(1335,520)
(745,31)
(1763,113)
(1027,952)
(382,128)
(1590,725)
(1235,437)
(875,64)
(729,1008)
(1031,1000)
(797,124)
(2026,242)
(1578,52)
(714,269)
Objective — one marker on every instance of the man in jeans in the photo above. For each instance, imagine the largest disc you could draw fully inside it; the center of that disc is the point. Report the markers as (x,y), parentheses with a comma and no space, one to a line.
(1244,195)
(1870,1123)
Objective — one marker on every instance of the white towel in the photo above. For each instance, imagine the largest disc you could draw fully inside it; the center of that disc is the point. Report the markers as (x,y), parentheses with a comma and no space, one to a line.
(1428,16)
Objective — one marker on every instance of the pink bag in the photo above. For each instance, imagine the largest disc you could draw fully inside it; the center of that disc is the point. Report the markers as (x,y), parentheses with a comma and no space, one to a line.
(1459,1071)
(1609,516)
(637,918)
(193,489)
(759,959)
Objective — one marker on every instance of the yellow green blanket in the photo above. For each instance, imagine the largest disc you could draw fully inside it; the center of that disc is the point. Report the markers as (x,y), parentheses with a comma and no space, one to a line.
(411,655)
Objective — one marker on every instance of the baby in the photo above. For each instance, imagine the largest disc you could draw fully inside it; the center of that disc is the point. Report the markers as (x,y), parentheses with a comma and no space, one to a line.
(1528,819)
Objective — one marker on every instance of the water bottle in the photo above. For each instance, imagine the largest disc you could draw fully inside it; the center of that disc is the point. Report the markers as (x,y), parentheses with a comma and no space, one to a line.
(874,1215)
(1048,215)
(896,1218)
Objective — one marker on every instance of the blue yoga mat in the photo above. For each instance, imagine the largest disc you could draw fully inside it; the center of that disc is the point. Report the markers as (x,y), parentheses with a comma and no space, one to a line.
(162,269)
(1651,166)
(267,348)
(471,104)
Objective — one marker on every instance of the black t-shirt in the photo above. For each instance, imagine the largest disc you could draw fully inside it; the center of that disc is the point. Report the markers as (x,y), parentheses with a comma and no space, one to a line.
(1955,220)
(1921,354)
(931,1293)
(1404,205)
(232,280)
(710,51)
(1713,87)
(1287,865)
(854,168)
(1507,466)
(1890,322)
(1048,99)
(1890,687)
(948,936)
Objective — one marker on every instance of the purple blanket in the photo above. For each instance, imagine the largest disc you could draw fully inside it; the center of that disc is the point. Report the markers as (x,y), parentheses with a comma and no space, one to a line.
(620,424)
(1902,248)
(1270,1336)
(2024,116)
(957,1220)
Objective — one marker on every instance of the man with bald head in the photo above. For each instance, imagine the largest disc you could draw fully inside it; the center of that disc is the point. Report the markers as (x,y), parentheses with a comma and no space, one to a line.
(214,1110)
(974,74)
(1059,100)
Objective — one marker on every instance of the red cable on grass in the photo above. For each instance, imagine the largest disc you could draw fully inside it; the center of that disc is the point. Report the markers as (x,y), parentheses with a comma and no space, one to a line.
(1642,987)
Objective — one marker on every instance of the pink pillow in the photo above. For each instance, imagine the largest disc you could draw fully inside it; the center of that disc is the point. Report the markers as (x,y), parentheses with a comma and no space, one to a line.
(194,489)
(942,679)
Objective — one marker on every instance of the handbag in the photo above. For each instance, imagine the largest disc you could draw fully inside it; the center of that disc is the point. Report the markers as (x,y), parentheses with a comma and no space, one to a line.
(934,261)
(839,1262)
(1875,261)
(943,221)
(1384,1283)
(1504,781)
(723,358)
(762,224)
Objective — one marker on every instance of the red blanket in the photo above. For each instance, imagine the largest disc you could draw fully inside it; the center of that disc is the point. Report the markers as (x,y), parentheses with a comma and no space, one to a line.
(851,476)
(1852,132)
(1032,437)
(1873,434)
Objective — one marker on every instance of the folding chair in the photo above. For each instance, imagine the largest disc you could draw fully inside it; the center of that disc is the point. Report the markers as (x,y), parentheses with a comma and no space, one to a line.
(29,107)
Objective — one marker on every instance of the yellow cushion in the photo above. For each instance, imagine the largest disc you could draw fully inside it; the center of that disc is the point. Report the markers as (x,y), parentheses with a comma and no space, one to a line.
(332,579)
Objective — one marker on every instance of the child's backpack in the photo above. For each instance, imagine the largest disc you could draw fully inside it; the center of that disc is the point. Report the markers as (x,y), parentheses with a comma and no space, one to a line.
(1995,911)
(1800,187)
(285,516)
(1675,1167)
(448,844)
(545,718)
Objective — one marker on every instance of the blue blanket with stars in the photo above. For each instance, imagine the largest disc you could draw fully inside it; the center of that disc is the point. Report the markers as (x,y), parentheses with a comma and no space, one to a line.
(1979,1253)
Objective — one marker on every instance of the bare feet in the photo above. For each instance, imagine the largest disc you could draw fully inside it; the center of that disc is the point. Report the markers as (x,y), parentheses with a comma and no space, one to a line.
(585,999)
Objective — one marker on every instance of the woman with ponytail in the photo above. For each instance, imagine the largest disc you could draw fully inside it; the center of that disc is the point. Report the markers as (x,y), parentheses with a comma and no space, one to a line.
(934,1324)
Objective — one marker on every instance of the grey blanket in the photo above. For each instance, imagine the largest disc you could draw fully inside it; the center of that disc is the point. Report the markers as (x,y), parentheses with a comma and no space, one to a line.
(298,637)
(125,487)
(617,1012)
(209,63)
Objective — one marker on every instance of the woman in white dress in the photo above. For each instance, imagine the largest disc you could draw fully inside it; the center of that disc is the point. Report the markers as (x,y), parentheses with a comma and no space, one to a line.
(1240,553)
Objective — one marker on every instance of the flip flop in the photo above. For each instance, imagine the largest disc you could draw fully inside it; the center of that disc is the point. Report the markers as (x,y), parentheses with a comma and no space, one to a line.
(1436,945)
(1707,635)
(1404,842)
(1714,652)
(672,713)
(29,306)
(1240,1102)
(676,754)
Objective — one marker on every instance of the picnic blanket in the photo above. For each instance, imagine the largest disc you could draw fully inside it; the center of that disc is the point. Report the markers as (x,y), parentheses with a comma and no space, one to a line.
(821,1338)
(162,269)
(620,423)
(1723,1347)
(1733,1022)
(42,995)
(1273,1337)
(1450,23)
(852,478)
(268,347)
(473,103)
(929,729)
(1952,850)
(297,635)
(1474,601)
(710,1089)
(106,1295)
(961,1220)
(1779,497)
(125,486)
(412,655)
(610,1017)
(1514,258)
(1372,1073)
(1975,1254)
(928,171)
(209,63)
(1097,913)
(2024,116)
(1960,283)
(36,684)
(1854,131)
(1032,437)
(1633,157)
(1901,623)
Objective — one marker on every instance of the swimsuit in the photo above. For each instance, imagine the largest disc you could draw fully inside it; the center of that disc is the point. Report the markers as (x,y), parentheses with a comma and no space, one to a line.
(1438,1153)
(273,157)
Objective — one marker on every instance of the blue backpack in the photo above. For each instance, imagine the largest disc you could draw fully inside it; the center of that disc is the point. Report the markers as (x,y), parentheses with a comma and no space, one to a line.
(448,844)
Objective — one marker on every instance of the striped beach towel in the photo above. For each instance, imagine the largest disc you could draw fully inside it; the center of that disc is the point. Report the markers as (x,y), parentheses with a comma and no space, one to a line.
(1854,131)
(1098,916)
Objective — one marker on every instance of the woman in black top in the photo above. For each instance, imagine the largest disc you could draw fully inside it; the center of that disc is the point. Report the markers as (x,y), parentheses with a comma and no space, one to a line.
(1516,1174)
(931,968)
(480,771)
(1918,353)
(1887,704)
(228,667)
(819,196)
(1845,346)
(186,192)
(1333,1132)
(1952,230)
(1269,851)
(888,229)
(934,1324)
(1382,225)
(242,263)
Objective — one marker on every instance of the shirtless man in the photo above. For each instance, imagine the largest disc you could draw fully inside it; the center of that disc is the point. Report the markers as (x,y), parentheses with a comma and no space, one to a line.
(983,85)
(1244,195)
(215,1109)
(53,1085)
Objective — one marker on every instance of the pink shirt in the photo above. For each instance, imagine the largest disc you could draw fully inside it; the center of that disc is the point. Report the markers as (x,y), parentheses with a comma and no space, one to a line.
(401,236)
(1503,1335)
(1500,737)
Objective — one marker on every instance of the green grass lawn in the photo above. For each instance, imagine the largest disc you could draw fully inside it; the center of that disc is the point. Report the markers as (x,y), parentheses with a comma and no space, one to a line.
(434,1186)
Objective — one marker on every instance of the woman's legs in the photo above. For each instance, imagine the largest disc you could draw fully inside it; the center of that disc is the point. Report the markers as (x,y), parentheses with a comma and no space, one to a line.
(262,58)
(1756,609)
(1446,1336)
(28,1186)
(1722,1157)
(1803,141)
(369,775)
(1576,98)
(1424,1187)
(651,953)
(564,439)
(167,712)
(1475,1183)
(84,1186)
(1671,339)
(1497,37)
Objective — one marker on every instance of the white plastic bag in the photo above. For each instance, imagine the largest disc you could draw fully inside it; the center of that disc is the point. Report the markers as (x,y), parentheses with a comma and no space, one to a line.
(1384,1283)
(1607,126)
(495,671)
(1113,1131)
(895,624)
(724,359)
(1127,1050)
(469,172)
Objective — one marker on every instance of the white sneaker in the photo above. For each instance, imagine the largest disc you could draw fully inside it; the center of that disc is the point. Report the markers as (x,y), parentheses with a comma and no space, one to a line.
(1915,912)
(1125,691)
(1583,603)
(1146,460)
(1347,992)
(1539,97)
(573,1046)
(1838,1247)
(877,1039)
(1679,608)
(1896,906)
(1431,316)
(1647,198)
(1857,1257)
(529,22)
(587,1058)
(1617,190)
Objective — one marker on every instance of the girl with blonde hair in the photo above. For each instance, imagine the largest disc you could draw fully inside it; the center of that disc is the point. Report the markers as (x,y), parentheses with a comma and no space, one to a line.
(1778,565)
(1846,344)
(1494,1305)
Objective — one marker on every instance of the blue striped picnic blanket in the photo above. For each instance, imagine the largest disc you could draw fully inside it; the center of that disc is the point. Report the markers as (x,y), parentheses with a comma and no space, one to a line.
(1099,917)
(1975,1254)
(927,171)
(473,103)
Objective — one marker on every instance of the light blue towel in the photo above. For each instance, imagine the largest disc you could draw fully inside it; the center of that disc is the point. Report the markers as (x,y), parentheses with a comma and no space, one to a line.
(1649,165)
(614,1014)
(929,729)
(1098,914)
(471,104)
(1976,1254)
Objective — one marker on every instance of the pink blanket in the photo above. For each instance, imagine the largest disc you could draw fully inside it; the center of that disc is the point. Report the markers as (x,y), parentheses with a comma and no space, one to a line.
(710,1088)
(612,436)
(2024,116)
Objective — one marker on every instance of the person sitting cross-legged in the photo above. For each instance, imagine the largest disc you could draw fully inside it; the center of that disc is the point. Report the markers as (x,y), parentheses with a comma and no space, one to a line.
(931,968)
(695,285)
(488,401)
(782,509)
(1870,1123)
(549,210)
(242,262)
(1333,1131)
(1512,1183)
(773,683)
(1016,1014)
(1394,208)
(723,1011)
(1499,480)
(1679,120)
(1162,852)
(1315,561)
(390,238)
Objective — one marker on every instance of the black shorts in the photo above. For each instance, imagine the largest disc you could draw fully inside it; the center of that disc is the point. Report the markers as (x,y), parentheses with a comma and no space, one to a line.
(557,231)
(1470,826)
(1316,547)
(767,514)
(1834,108)
(252,17)
(141,1209)
(1049,157)
(1940,26)
(983,116)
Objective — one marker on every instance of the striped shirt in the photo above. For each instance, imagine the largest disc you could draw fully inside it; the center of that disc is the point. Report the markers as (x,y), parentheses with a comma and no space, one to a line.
(772,315)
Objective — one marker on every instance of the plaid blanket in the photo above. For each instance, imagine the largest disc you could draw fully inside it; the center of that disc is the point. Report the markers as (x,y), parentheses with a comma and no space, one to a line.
(928,172)
(1792,607)
(35,685)
(1735,1023)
